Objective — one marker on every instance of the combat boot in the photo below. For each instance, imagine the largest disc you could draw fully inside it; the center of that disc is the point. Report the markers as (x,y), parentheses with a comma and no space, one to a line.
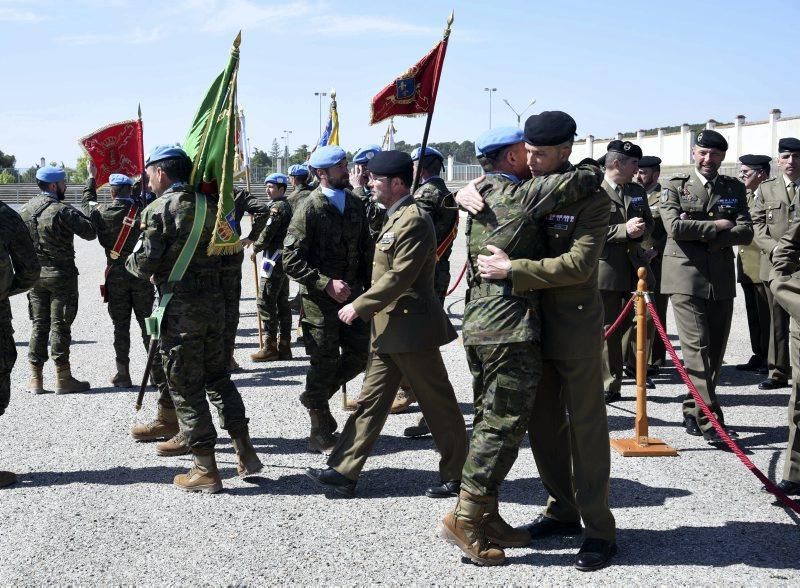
(122,379)
(405,398)
(323,425)
(176,445)
(36,383)
(66,384)
(268,353)
(203,477)
(465,528)
(499,532)
(284,348)
(248,464)
(7,479)
(164,426)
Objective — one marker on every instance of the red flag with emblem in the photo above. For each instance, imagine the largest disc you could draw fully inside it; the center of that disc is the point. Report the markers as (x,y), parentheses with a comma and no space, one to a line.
(116,149)
(414,92)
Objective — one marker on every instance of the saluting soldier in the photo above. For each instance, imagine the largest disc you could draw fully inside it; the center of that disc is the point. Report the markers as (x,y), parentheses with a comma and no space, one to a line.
(408,327)
(630,223)
(191,331)
(53,300)
(705,215)
(273,303)
(775,202)
(375,211)
(19,270)
(572,316)
(754,169)
(299,178)
(324,251)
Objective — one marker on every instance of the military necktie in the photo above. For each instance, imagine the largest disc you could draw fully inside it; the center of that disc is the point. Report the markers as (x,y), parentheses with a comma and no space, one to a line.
(792,189)
(709,188)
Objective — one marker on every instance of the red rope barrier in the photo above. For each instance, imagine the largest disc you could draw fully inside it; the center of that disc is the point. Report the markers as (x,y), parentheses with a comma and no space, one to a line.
(769,484)
(458,281)
(620,318)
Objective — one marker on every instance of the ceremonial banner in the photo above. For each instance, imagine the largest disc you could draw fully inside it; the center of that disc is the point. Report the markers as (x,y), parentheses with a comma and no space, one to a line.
(414,92)
(115,149)
(211,143)
(242,161)
(330,136)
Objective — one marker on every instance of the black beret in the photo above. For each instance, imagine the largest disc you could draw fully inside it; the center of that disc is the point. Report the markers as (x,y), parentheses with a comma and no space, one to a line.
(601,161)
(759,160)
(788,144)
(649,161)
(711,140)
(391,163)
(626,148)
(551,127)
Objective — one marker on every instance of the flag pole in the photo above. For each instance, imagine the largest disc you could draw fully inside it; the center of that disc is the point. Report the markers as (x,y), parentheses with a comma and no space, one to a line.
(418,175)
(255,261)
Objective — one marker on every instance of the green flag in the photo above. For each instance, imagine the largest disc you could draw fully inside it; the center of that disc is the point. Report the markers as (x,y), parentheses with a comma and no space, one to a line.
(211,143)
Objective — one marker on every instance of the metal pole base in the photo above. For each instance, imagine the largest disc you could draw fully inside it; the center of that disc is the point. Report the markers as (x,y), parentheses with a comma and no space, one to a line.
(652,448)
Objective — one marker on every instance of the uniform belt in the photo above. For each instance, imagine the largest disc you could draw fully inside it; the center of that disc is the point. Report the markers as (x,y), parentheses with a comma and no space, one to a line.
(484,289)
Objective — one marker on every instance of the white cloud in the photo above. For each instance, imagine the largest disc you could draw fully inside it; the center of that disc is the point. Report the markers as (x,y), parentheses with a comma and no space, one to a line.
(13,14)
(133,37)
(336,25)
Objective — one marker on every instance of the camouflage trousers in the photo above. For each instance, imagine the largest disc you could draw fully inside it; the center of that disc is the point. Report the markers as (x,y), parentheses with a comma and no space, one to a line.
(337,352)
(52,306)
(8,354)
(194,360)
(505,379)
(273,305)
(232,293)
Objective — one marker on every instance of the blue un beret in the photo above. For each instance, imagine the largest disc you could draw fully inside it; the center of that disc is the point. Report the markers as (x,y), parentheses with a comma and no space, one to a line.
(120,180)
(50,174)
(327,156)
(495,139)
(165,152)
(279,179)
(429,152)
(298,170)
(366,153)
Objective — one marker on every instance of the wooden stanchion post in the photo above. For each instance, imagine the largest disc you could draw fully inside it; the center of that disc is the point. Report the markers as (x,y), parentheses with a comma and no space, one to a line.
(641,445)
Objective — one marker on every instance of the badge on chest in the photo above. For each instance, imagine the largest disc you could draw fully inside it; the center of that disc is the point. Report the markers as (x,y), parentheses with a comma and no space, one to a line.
(387,238)
(560,222)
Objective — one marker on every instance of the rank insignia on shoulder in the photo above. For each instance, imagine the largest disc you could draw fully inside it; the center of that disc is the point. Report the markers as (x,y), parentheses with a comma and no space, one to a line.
(387,238)
(665,196)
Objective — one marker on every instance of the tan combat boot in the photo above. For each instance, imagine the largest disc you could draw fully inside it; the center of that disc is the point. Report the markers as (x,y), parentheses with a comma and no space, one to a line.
(177,445)
(203,477)
(268,353)
(284,348)
(122,379)
(7,479)
(164,426)
(404,399)
(248,464)
(36,383)
(465,528)
(499,532)
(66,384)
(323,425)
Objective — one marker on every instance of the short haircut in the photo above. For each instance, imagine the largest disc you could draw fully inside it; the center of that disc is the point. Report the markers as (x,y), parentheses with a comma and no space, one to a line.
(43,186)
(613,156)
(122,191)
(765,167)
(488,161)
(178,169)
(407,177)
(431,164)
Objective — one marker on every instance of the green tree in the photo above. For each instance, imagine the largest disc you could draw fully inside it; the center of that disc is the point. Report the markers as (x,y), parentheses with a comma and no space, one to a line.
(79,174)
(260,158)
(7,160)
(300,155)
(275,150)
(6,177)
(29,175)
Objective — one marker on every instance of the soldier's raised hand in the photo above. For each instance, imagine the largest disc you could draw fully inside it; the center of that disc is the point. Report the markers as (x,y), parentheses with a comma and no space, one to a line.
(91,168)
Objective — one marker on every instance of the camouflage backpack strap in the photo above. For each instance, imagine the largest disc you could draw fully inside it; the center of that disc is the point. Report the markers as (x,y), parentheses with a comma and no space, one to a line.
(33,226)
(153,322)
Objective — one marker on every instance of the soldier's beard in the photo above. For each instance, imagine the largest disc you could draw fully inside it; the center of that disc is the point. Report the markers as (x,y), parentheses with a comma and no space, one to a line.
(60,194)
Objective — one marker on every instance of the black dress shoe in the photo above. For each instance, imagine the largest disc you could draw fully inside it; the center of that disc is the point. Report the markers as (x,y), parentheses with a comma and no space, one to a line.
(629,371)
(753,364)
(692,428)
(595,554)
(787,487)
(543,526)
(447,489)
(649,384)
(330,479)
(712,438)
(772,384)
(612,396)
(763,370)
(653,370)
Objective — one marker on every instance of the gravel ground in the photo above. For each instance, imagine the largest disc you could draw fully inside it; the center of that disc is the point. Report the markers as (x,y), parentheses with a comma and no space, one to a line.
(92,506)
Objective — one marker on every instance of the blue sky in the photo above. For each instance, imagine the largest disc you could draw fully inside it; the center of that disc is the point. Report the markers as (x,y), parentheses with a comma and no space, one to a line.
(71,67)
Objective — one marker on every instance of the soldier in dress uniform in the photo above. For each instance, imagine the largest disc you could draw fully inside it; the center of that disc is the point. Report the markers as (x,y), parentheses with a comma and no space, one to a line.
(705,214)
(753,170)
(775,202)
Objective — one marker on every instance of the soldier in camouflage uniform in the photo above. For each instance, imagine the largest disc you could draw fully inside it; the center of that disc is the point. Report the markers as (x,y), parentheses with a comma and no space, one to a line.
(19,270)
(298,175)
(324,252)
(374,211)
(53,300)
(191,331)
(501,334)
(273,302)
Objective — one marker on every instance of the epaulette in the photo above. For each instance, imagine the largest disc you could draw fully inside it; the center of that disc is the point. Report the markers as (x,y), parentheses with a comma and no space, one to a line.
(769,180)
(680,177)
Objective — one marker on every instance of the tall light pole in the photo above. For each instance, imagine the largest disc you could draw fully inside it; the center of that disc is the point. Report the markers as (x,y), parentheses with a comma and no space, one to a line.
(286,142)
(320,94)
(519,114)
(490,90)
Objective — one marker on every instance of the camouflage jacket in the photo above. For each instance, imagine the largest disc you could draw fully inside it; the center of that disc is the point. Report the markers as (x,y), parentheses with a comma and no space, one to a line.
(375,214)
(52,226)
(511,221)
(433,197)
(107,221)
(274,231)
(323,244)
(168,223)
(245,202)
(19,265)
(298,195)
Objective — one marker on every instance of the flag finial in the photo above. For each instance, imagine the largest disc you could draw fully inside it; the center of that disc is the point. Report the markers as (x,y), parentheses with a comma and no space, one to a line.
(238,40)
(449,23)
(140,111)
(333,94)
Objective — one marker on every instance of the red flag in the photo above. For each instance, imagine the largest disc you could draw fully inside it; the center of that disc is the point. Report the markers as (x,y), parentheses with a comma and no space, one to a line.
(116,149)
(414,92)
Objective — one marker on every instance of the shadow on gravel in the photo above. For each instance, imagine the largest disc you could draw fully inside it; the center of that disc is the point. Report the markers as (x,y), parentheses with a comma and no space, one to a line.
(272,376)
(118,476)
(758,398)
